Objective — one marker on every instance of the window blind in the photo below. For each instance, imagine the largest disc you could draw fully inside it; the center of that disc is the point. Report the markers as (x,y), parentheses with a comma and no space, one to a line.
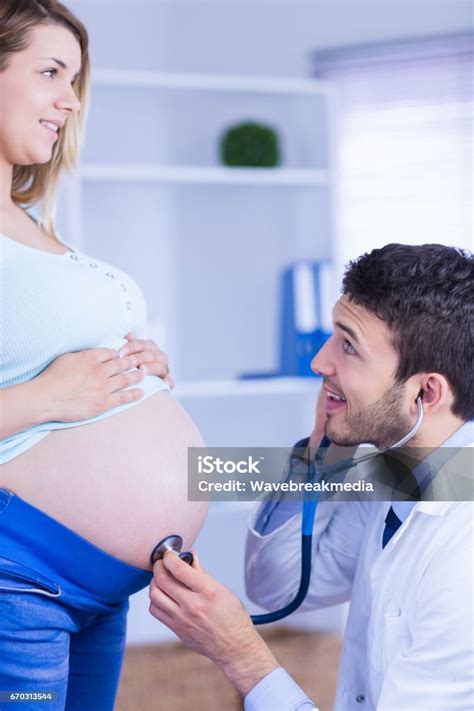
(404,143)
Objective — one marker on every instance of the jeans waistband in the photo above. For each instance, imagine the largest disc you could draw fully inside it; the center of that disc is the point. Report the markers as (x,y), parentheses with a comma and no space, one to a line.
(31,537)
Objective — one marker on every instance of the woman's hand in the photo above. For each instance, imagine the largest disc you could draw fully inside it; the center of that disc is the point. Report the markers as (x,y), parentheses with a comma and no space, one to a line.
(209,619)
(151,360)
(77,386)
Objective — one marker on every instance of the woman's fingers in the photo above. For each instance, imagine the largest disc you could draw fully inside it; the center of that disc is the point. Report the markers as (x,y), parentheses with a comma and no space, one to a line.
(137,345)
(146,363)
(120,365)
(103,355)
(144,355)
(124,397)
(153,363)
(124,380)
(150,356)
(147,352)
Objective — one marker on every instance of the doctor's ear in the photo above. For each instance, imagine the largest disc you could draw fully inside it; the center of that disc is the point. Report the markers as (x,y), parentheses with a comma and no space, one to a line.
(435,392)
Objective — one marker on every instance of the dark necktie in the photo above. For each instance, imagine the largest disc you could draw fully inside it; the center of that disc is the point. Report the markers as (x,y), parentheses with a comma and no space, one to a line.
(392,524)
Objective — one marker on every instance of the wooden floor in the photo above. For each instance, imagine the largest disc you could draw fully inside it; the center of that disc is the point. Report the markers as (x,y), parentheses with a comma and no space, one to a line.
(170,677)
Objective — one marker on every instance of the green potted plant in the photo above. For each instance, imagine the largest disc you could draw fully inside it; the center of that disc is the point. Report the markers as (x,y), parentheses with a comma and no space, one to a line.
(250,144)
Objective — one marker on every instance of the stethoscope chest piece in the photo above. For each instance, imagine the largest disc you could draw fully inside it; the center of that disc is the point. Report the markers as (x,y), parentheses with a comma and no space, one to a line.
(171,543)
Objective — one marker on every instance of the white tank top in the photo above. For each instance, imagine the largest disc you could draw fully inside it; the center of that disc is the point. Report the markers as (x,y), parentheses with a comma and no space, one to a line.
(52,304)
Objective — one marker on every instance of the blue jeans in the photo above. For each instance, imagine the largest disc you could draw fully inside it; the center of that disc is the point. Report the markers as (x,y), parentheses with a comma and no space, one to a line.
(63,608)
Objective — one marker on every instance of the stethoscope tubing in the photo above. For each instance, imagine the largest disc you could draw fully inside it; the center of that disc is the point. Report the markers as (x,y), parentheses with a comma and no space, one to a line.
(309,514)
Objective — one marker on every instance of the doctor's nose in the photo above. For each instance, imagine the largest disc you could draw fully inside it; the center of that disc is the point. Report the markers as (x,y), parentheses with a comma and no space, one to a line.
(322,363)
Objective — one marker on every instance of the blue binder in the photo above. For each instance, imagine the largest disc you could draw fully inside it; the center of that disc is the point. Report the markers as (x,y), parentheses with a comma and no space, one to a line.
(301,334)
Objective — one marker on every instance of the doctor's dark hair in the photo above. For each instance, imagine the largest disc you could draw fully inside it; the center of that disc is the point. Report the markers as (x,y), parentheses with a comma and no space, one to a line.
(39,182)
(425,294)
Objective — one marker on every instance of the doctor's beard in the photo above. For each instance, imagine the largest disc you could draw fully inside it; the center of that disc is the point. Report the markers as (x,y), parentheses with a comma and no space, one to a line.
(382,424)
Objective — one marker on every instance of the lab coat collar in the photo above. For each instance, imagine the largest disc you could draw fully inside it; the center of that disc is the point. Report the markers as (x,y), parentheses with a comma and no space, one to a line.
(463,437)
(433,508)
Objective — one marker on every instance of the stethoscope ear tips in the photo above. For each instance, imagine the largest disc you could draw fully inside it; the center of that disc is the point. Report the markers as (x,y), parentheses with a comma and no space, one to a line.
(174,544)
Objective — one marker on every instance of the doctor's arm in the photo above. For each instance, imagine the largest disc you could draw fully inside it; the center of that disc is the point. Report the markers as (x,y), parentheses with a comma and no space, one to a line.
(212,621)
(273,562)
(273,548)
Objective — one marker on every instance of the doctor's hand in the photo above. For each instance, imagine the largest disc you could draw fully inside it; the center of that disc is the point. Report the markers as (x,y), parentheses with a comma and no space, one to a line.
(151,360)
(320,421)
(210,620)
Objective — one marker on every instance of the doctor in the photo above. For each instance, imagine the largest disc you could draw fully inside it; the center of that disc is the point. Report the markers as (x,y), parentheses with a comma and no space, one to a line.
(403,324)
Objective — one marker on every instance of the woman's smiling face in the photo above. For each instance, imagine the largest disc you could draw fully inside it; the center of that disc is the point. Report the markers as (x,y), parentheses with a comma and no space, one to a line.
(37,95)
(358,363)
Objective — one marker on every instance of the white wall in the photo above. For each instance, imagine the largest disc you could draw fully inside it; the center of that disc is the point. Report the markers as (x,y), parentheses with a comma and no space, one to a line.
(267,37)
(277,38)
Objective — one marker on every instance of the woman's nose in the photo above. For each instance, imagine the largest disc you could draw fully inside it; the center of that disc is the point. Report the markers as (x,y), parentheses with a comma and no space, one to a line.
(68,101)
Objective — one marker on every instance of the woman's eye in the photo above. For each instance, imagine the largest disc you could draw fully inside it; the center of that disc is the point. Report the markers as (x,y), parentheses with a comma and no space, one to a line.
(348,347)
(50,72)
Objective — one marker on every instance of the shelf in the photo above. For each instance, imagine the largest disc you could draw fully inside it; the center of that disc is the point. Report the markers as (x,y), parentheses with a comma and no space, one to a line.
(210,82)
(298,177)
(246,388)
(224,508)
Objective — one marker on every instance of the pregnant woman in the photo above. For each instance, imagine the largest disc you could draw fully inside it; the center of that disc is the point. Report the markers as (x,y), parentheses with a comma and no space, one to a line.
(93,446)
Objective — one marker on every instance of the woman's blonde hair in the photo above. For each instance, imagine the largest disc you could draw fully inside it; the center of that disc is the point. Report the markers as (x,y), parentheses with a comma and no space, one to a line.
(32,183)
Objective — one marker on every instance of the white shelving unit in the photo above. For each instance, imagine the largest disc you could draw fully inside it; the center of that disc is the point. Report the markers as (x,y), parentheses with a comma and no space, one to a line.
(284,177)
(206,242)
(207,82)
(251,388)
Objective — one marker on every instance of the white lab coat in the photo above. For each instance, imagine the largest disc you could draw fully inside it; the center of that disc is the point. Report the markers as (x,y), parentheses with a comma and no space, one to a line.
(409,637)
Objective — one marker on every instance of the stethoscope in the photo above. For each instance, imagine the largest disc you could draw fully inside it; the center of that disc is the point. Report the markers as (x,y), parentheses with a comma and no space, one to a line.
(174,543)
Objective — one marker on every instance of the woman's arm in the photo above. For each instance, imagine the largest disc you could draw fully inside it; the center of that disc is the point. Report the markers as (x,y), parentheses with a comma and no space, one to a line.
(78,386)
(75,386)
(20,408)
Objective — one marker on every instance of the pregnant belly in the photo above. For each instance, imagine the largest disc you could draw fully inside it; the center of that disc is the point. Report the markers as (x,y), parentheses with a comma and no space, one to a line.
(120,482)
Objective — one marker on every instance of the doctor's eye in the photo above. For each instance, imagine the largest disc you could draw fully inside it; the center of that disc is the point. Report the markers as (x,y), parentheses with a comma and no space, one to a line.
(51,72)
(348,347)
